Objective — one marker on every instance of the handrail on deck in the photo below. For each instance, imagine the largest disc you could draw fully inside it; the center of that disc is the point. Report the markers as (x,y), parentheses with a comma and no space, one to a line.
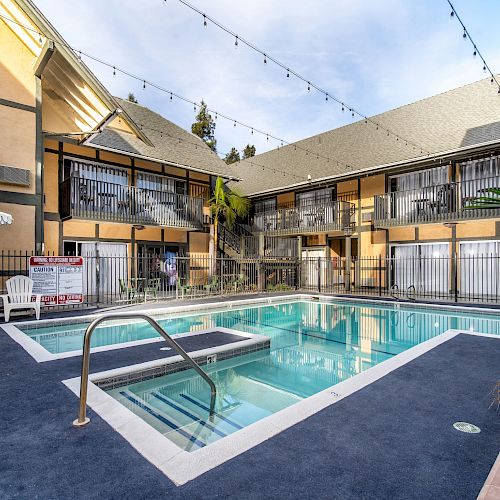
(84,380)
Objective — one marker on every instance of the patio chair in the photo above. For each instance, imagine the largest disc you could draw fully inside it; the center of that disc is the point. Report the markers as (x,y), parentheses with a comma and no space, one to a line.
(128,291)
(184,286)
(212,286)
(19,294)
(152,287)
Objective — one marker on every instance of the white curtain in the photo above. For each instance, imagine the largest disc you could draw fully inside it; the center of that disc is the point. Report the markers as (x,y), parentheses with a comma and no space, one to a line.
(415,186)
(479,175)
(479,268)
(113,266)
(155,182)
(89,253)
(426,267)
(99,172)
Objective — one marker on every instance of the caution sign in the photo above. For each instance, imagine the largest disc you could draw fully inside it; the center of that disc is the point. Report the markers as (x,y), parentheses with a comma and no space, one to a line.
(59,280)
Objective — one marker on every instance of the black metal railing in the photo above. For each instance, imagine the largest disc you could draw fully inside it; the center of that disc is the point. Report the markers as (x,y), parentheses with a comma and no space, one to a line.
(310,218)
(115,280)
(100,200)
(441,203)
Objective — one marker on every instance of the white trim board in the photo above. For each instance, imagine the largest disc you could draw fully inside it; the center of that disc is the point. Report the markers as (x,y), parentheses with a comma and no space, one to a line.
(181,466)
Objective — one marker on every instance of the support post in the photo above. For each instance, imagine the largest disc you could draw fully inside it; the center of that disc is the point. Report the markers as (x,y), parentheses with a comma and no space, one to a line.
(348,261)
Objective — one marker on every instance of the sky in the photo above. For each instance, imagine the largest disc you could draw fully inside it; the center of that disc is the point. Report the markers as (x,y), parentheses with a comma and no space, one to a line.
(374,55)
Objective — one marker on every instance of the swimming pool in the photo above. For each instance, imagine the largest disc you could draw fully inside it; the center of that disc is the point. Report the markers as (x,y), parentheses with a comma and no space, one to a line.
(386,329)
(314,346)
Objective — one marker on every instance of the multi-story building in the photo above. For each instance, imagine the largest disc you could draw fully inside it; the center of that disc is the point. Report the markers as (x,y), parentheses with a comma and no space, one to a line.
(83,172)
(358,191)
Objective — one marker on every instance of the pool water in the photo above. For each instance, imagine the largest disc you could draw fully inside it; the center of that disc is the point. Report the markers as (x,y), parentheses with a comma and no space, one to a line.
(313,346)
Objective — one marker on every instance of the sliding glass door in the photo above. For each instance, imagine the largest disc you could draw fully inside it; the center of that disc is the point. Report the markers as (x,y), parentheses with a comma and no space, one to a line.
(422,266)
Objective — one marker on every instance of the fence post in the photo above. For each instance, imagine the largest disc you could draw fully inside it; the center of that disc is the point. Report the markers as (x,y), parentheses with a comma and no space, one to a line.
(454,275)
(319,274)
(380,276)
(348,263)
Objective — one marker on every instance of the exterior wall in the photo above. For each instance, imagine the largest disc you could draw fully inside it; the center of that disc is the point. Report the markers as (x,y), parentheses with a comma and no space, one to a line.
(18,126)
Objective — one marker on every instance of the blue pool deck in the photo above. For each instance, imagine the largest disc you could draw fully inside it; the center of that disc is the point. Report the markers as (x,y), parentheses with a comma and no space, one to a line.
(392,439)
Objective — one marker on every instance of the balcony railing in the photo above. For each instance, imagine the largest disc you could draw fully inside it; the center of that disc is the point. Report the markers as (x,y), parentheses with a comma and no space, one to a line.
(323,217)
(100,200)
(441,203)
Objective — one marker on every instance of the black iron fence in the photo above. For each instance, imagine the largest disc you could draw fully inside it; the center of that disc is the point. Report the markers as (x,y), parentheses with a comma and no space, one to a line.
(122,279)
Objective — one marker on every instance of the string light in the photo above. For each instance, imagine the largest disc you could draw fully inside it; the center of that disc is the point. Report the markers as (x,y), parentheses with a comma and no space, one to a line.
(267,57)
(144,84)
(171,93)
(204,20)
(236,41)
(466,35)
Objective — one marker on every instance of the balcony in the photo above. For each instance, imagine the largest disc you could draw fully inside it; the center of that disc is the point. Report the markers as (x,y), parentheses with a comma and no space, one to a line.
(434,204)
(303,219)
(99,200)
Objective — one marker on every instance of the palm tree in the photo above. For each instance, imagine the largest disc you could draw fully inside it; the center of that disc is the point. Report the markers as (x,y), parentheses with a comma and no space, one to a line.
(226,204)
(491,199)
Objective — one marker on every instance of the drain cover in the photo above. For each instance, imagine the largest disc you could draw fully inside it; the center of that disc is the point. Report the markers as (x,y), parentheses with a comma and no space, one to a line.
(466,427)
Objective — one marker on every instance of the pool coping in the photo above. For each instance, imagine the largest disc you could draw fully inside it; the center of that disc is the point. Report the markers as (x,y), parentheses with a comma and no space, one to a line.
(41,355)
(181,466)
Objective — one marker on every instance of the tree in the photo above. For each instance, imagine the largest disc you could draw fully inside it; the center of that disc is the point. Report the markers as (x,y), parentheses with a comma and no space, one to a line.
(249,151)
(204,127)
(131,98)
(232,157)
(226,205)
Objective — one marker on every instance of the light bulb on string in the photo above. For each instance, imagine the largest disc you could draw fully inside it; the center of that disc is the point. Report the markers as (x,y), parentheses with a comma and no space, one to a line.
(326,97)
(204,20)
(171,96)
(143,84)
(236,42)
(288,73)
(308,86)
(452,13)
(265,59)
(114,71)
(465,34)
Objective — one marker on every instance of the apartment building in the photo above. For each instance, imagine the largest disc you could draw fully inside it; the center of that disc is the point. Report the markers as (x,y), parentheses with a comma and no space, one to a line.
(83,172)
(357,191)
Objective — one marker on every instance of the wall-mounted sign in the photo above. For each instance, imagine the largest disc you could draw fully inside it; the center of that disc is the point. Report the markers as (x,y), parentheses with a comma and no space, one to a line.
(58,279)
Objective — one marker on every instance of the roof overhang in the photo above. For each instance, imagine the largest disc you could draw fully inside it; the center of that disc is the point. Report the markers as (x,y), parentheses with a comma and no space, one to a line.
(442,156)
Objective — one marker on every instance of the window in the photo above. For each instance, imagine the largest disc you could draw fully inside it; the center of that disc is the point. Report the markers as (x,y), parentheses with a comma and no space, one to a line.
(268,205)
(420,179)
(95,171)
(155,182)
(318,197)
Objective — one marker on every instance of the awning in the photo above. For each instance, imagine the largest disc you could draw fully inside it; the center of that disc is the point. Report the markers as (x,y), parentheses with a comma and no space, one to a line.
(5,218)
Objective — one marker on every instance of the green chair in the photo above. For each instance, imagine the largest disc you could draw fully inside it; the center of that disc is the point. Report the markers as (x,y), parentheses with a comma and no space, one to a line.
(128,291)
(213,286)
(152,287)
(184,286)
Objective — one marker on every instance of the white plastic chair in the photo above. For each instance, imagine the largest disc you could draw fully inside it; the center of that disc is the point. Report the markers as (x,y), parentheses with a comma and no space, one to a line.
(19,293)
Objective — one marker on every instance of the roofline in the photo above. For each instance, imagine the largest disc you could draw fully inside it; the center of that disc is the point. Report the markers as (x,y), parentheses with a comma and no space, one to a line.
(420,159)
(32,11)
(162,162)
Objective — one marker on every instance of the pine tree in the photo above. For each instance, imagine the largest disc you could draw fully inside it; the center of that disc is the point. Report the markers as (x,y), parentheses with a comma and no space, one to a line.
(249,151)
(204,127)
(232,157)
(131,98)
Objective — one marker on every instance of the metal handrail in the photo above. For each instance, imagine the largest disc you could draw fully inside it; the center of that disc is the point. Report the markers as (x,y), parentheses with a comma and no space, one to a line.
(84,380)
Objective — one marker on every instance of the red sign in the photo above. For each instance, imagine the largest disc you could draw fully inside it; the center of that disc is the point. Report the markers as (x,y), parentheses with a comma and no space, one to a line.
(58,279)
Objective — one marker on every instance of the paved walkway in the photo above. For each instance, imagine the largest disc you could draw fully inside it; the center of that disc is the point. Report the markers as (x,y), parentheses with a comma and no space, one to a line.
(393,439)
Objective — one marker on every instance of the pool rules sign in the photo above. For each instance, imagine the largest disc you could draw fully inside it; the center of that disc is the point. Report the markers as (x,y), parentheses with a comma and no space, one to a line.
(58,279)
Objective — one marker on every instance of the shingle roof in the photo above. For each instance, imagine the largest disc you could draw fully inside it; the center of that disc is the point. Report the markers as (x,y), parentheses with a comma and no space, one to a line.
(189,152)
(466,116)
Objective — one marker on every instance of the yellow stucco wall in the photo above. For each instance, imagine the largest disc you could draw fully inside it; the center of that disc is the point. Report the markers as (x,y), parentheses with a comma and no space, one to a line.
(476,229)
(401,234)
(434,232)
(51,182)
(51,235)
(198,242)
(17,143)
(115,231)
(16,69)
(20,235)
